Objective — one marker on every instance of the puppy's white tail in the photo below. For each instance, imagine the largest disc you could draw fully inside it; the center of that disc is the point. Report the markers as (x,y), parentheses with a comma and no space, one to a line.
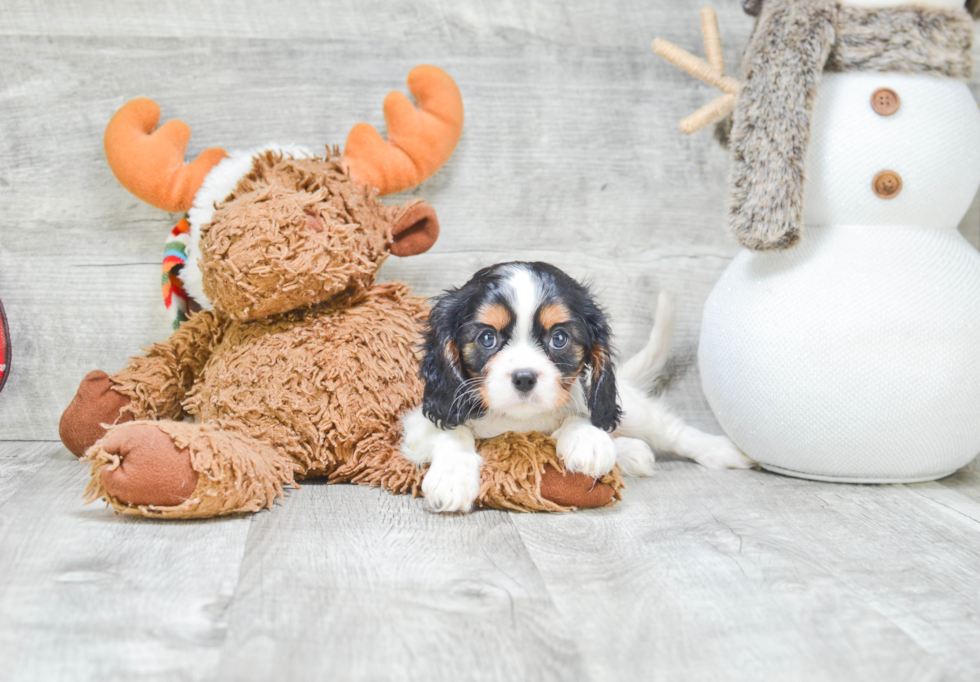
(643,368)
(648,420)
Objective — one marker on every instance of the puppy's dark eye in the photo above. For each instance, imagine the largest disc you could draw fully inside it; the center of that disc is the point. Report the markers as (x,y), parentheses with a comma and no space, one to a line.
(488,339)
(559,340)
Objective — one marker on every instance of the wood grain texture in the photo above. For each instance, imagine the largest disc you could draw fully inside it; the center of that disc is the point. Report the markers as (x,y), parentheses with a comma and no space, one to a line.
(19,461)
(749,575)
(586,22)
(698,574)
(86,595)
(348,583)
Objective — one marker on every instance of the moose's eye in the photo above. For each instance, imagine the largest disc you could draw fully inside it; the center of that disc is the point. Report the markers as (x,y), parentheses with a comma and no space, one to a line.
(559,340)
(488,339)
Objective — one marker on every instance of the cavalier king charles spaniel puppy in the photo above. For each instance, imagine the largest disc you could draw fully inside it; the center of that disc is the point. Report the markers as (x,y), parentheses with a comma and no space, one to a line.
(524,347)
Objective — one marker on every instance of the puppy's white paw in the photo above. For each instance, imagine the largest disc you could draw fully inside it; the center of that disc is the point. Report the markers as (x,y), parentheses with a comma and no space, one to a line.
(583,447)
(718,452)
(634,457)
(417,437)
(452,482)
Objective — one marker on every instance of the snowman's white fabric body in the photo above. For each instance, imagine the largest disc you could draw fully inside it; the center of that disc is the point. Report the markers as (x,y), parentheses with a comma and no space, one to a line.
(855,354)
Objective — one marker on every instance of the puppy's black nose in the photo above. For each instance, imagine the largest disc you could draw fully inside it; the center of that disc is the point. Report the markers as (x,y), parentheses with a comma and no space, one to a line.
(524,380)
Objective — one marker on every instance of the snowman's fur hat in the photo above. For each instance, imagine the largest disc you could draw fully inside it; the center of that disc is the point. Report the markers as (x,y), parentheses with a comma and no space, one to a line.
(753,7)
(794,42)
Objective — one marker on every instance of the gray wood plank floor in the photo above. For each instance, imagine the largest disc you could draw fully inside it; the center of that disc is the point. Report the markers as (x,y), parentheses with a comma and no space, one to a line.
(571,155)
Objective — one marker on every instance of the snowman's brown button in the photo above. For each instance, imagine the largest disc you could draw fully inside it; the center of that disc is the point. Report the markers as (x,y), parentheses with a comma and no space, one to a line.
(887,184)
(885,101)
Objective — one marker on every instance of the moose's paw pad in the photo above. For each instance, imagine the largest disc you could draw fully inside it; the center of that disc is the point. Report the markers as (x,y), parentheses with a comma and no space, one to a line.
(94,404)
(152,470)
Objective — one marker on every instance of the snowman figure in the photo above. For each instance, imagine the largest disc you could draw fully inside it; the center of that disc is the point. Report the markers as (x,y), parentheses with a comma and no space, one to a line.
(844,343)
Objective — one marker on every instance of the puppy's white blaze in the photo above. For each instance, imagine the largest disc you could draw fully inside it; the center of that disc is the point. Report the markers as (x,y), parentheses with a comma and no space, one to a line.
(522,352)
(524,298)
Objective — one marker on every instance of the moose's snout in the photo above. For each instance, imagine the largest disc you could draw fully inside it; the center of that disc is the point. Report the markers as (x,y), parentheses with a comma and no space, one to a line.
(314,222)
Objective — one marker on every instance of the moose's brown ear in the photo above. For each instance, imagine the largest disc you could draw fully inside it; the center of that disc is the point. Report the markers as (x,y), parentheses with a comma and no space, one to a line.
(415,230)
(973,7)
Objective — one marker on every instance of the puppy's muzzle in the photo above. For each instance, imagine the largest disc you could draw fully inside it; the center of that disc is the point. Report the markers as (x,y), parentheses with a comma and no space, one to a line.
(524,380)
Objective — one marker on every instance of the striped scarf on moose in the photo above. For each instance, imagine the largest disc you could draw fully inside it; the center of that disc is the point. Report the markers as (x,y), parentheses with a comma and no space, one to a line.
(174,258)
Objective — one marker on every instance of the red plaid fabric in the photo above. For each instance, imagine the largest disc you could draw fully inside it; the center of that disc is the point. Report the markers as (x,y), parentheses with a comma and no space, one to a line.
(4,348)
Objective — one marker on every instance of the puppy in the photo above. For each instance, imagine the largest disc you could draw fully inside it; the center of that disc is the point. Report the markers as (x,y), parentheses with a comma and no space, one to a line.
(524,347)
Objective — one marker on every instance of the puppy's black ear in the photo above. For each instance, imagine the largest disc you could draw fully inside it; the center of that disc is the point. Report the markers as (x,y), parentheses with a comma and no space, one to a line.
(445,401)
(602,400)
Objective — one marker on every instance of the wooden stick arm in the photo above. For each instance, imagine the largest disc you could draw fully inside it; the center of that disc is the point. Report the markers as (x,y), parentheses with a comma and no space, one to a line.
(712,40)
(708,114)
(695,66)
(711,72)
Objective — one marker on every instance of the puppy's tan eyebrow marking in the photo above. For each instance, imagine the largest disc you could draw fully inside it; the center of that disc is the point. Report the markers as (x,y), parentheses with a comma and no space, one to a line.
(495,315)
(451,353)
(552,314)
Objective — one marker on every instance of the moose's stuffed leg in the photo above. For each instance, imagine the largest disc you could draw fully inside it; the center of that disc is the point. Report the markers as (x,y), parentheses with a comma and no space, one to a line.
(95,403)
(180,470)
(158,382)
(522,472)
(152,386)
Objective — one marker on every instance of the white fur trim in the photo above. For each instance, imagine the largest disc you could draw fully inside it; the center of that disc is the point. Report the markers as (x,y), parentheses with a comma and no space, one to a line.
(217,185)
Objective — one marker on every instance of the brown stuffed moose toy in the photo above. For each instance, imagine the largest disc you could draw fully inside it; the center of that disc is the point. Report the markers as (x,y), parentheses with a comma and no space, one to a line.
(299,363)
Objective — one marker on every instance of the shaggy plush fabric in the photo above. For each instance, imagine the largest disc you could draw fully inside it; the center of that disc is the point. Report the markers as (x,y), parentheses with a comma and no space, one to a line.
(158,382)
(269,250)
(267,379)
(513,469)
(235,473)
(793,43)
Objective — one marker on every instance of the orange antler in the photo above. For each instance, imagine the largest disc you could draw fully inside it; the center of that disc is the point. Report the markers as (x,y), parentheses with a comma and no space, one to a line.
(421,140)
(711,72)
(149,162)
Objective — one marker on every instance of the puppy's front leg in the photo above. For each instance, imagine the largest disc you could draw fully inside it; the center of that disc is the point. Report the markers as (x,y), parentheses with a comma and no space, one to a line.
(583,447)
(417,437)
(452,482)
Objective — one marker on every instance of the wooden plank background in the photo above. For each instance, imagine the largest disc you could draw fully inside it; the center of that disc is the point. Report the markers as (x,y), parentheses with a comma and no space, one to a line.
(570,154)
